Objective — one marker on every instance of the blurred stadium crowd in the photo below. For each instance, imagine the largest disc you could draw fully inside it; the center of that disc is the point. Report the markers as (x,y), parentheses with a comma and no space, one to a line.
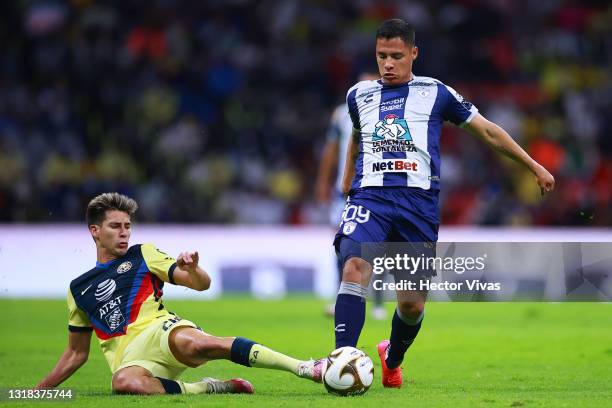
(216,111)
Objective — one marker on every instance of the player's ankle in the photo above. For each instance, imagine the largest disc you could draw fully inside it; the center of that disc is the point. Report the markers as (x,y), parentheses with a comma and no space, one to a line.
(393,364)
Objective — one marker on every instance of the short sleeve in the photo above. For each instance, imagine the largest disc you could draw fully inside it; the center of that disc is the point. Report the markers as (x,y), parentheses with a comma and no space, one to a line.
(455,108)
(77,319)
(351,101)
(159,263)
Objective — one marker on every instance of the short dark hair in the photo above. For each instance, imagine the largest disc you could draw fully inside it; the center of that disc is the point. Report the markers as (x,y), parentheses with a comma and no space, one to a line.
(98,206)
(394,28)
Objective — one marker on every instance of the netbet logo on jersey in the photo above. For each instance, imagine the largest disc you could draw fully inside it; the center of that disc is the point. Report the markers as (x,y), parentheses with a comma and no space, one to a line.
(394,165)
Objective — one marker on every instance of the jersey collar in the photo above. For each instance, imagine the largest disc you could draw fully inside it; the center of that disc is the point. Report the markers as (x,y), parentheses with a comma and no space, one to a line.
(104,265)
(396,86)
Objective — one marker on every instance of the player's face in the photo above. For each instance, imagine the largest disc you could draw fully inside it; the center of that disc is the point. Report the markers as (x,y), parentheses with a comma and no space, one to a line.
(394,58)
(113,235)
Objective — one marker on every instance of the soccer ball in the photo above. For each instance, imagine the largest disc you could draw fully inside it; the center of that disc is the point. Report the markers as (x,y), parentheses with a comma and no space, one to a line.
(349,372)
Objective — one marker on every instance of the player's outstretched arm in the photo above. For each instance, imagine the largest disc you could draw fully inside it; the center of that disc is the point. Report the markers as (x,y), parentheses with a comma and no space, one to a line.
(501,141)
(187,272)
(352,152)
(74,357)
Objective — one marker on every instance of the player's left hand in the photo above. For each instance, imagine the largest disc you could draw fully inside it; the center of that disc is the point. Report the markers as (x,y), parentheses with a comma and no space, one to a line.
(188,261)
(545,180)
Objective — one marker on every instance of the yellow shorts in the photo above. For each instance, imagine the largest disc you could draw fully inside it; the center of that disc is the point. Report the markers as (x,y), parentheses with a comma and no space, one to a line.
(150,349)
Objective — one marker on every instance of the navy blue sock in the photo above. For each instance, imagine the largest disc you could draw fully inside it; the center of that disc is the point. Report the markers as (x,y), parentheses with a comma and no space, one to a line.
(402,336)
(349,319)
(170,386)
(241,348)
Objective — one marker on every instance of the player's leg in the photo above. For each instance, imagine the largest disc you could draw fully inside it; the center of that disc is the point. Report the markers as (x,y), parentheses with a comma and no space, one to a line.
(147,366)
(364,221)
(416,225)
(193,347)
(350,309)
(408,315)
(138,380)
(405,325)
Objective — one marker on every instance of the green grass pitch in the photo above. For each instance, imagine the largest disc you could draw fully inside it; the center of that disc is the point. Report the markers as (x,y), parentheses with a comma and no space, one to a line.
(467,355)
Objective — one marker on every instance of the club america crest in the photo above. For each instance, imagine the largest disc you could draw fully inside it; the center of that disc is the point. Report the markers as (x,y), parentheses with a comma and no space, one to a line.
(124,267)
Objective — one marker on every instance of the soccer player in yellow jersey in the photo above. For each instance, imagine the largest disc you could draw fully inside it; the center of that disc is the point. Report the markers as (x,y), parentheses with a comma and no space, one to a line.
(146,346)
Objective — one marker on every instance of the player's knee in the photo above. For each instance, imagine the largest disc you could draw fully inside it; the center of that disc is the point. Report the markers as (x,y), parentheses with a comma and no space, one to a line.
(354,270)
(126,384)
(411,310)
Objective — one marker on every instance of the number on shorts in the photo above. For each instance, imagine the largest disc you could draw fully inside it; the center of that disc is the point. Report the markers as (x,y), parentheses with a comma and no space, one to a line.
(355,212)
(171,322)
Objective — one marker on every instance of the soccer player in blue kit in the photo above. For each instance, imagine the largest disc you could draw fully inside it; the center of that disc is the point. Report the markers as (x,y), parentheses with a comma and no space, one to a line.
(391,177)
(333,159)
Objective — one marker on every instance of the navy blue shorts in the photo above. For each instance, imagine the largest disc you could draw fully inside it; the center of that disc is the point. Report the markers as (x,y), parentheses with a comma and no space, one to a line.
(387,214)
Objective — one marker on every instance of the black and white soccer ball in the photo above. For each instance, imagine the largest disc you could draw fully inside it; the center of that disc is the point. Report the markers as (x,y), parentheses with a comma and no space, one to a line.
(349,372)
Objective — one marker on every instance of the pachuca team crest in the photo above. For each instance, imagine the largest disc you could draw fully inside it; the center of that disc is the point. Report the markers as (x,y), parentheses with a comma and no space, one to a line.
(392,127)
(392,135)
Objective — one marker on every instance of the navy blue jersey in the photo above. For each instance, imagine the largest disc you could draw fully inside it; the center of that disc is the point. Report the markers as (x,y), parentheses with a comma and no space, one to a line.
(122,295)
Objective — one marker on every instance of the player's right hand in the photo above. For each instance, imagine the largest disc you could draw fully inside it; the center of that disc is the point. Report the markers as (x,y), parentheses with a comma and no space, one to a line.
(188,261)
(545,180)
